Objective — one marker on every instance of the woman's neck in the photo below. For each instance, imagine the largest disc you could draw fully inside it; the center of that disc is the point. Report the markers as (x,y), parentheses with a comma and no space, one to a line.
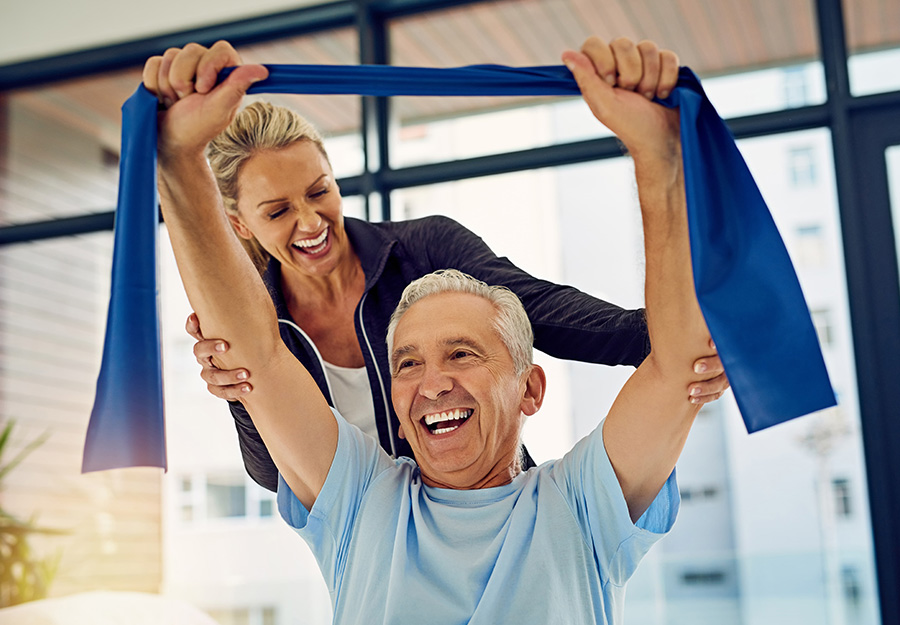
(341,288)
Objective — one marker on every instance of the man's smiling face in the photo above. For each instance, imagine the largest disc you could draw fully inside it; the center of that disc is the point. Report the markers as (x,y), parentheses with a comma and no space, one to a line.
(456,392)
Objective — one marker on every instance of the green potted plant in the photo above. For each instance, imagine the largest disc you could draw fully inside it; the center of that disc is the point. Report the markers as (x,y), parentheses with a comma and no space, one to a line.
(24,575)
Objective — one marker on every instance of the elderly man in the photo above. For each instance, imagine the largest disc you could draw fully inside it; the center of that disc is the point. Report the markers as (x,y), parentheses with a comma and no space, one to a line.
(463,535)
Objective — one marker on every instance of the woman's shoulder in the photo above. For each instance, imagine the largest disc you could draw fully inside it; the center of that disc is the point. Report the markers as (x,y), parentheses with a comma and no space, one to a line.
(429,223)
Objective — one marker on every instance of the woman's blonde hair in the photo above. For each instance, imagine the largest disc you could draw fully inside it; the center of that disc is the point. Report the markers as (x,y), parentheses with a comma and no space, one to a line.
(259,126)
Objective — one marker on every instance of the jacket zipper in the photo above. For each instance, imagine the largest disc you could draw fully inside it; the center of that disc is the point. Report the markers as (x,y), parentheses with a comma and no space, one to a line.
(384,399)
(316,352)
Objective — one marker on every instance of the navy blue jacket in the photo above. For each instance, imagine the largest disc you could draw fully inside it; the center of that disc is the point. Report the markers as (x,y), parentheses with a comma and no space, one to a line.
(567,323)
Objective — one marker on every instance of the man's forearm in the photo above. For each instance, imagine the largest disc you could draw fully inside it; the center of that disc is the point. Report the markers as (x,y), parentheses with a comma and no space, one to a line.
(678,333)
(228,295)
(222,285)
(651,418)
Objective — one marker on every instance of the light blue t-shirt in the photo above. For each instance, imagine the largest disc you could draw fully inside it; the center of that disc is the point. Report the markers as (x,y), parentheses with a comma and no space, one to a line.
(556,545)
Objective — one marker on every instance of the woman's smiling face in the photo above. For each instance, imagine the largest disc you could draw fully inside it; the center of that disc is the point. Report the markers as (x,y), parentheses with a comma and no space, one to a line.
(289,201)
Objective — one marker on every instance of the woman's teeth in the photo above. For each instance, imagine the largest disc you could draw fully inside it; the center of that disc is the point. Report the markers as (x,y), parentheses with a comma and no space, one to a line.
(313,246)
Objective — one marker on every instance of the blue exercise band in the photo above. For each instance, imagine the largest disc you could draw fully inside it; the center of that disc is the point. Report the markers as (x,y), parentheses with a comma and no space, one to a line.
(746,285)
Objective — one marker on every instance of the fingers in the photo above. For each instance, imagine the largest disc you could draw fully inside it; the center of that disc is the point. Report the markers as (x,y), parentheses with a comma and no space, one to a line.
(227,96)
(641,67)
(714,386)
(205,349)
(217,58)
(229,385)
(230,393)
(150,74)
(192,327)
(650,63)
(708,390)
(179,72)
(164,90)
(603,59)
(668,73)
(182,70)
(629,63)
(711,365)
(591,73)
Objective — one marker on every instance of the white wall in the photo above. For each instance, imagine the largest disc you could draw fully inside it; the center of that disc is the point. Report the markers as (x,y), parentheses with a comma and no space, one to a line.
(40,28)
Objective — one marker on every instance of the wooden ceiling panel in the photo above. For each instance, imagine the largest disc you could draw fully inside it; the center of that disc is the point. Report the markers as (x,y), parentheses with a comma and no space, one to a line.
(872,23)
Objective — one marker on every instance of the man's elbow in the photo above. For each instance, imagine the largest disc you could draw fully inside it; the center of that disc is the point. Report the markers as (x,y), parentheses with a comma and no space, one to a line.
(251,351)
(675,364)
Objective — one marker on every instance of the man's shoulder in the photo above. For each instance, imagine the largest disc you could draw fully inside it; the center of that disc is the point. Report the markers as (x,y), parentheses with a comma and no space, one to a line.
(359,451)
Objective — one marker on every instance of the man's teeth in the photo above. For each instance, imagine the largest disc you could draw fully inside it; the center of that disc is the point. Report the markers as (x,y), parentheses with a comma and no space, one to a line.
(308,244)
(457,417)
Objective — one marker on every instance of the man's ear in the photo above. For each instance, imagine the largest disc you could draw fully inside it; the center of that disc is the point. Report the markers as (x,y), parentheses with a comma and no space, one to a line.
(535,385)
(242,230)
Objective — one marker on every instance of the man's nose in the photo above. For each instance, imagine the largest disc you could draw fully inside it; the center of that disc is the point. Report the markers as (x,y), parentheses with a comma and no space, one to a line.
(435,382)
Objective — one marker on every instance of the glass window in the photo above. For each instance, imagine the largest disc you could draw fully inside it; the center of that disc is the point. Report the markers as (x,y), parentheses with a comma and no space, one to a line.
(225,497)
(338,118)
(63,142)
(851,586)
(796,86)
(873,42)
(874,72)
(714,39)
(185,500)
(802,163)
(764,90)
(233,495)
(809,245)
(821,318)
(843,504)
(62,147)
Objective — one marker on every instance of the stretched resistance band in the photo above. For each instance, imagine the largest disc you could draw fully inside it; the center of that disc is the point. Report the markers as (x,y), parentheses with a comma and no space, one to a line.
(746,285)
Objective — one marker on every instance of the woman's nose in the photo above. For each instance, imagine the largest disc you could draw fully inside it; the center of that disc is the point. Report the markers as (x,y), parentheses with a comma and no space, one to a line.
(308,221)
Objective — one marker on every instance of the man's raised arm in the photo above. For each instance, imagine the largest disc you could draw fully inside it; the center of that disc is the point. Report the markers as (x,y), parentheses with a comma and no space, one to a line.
(221,282)
(648,424)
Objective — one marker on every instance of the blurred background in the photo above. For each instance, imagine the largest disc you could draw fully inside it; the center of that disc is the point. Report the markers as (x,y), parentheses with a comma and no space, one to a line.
(790,525)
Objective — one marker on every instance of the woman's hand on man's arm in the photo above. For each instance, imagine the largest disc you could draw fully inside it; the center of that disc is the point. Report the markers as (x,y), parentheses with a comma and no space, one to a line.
(228,384)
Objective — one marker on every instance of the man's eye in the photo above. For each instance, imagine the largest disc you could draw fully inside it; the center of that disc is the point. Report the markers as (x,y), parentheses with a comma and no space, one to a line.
(461,354)
(406,364)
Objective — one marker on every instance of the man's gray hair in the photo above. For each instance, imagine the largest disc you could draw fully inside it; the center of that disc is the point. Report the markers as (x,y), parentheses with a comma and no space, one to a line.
(511,321)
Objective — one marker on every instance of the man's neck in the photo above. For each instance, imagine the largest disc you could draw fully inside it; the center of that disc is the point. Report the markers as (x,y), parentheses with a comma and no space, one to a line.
(500,475)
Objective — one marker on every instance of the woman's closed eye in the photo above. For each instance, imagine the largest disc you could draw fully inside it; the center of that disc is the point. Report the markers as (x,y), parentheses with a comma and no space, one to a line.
(278,212)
